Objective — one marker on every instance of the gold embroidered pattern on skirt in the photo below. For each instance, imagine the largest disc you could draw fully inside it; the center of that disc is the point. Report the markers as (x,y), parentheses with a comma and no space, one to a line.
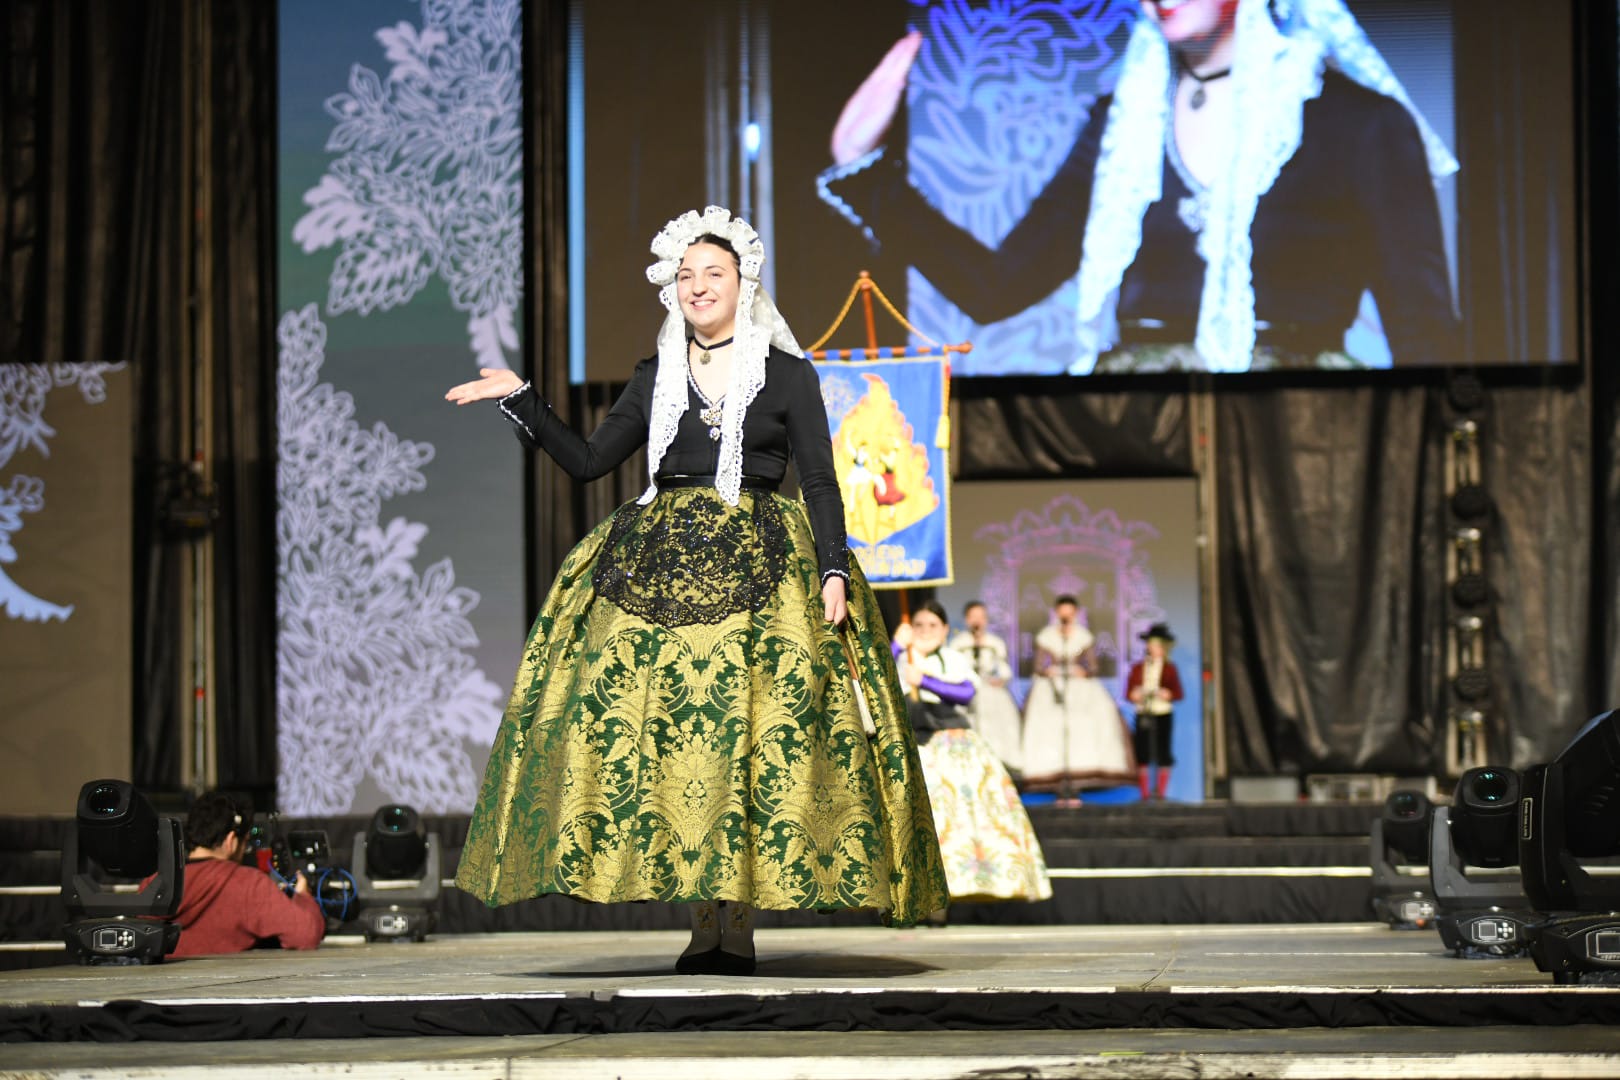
(706,760)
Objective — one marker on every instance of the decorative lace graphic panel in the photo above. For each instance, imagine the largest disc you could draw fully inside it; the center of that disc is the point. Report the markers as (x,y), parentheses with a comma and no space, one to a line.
(23,391)
(429,177)
(1067,548)
(374,677)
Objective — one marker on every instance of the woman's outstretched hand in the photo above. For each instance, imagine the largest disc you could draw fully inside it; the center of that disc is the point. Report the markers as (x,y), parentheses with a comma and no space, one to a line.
(496,383)
(834,598)
(870,110)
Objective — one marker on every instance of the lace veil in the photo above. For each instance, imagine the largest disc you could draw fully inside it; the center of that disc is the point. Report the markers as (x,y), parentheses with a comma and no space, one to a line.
(758,326)
(1277,67)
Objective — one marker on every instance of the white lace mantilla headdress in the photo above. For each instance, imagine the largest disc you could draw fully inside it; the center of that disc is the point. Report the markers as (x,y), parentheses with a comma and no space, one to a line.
(1276,68)
(758,326)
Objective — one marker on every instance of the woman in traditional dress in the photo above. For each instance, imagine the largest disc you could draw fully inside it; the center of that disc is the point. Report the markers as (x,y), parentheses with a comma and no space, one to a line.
(985,836)
(1074,733)
(683,726)
(994,710)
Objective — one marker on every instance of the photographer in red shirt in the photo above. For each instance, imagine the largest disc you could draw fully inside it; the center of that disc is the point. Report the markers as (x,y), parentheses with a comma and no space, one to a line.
(226,907)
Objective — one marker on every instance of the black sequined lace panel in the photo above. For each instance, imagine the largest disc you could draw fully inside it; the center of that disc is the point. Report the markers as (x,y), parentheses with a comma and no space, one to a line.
(698,561)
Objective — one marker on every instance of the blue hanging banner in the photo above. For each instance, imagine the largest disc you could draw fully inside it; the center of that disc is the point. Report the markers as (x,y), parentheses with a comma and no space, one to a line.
(891,446)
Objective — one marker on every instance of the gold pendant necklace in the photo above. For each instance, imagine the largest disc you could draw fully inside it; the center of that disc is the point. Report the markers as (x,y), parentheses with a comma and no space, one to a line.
(703,350)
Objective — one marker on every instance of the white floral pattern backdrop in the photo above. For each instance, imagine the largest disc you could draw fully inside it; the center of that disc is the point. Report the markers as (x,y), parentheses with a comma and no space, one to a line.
(66,580)
(399,530)
(24,391)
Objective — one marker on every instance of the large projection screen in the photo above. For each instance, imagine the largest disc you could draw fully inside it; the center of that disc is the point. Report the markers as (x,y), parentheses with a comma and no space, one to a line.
(1420,214)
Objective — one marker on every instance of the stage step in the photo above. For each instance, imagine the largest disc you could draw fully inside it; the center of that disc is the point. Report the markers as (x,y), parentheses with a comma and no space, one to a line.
(893,1055)
(1131,863)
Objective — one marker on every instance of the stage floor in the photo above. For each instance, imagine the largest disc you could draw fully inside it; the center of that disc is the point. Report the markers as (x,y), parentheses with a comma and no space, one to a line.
(1335,999)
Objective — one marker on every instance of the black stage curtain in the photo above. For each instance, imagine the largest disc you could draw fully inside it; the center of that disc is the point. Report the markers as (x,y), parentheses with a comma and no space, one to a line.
(101,144)
(1332,534)
(886,1006)
(227,133)
(560,510)
(1038,427)
(241,47)
(1325,498)
(89,115)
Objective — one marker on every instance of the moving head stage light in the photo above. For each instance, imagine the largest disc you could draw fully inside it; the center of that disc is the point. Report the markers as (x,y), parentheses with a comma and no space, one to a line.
(116,843)
(1400,837)
(1479,913)
(396,876)
(1570,813)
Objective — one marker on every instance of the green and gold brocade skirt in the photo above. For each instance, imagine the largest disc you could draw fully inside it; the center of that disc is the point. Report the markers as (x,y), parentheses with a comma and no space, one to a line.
(682,727)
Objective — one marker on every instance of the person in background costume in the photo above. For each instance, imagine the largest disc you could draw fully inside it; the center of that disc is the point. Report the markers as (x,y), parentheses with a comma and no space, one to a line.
(227,907)
(1256,169)
(1074,735)
(995,713)
(1154,687)
(683,725)
(988,844)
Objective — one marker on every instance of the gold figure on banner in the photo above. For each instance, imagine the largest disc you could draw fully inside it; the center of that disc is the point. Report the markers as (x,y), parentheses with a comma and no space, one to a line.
(882,469)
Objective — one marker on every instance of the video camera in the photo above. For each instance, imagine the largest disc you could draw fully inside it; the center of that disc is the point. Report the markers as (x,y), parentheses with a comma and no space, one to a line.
(286,854)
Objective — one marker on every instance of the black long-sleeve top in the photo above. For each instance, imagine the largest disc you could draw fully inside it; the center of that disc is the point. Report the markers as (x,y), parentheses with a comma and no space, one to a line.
(787,418)
(1353,209)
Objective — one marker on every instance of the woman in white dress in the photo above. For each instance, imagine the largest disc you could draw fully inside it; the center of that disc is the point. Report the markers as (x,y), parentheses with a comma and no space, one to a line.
(1074,733)
(993,709)
(985,838)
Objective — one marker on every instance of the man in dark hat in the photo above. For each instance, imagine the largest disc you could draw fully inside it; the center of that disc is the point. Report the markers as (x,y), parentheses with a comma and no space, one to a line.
(1154,687)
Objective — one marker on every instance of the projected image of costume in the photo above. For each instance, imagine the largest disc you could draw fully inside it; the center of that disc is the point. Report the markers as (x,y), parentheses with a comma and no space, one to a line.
(994,711)
(1154,687)
(985,837)
(1248,180)
(1074,734)
(682,726)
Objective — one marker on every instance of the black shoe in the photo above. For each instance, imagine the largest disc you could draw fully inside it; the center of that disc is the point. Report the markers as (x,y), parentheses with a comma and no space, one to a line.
(731,964)
(715,962)
(697,963)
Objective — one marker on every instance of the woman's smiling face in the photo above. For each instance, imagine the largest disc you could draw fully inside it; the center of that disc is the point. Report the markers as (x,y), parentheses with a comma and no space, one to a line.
(1190,20)
(707,284)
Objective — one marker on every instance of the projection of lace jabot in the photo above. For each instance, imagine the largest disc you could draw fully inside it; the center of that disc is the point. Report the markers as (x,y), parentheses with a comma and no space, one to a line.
(1276,67)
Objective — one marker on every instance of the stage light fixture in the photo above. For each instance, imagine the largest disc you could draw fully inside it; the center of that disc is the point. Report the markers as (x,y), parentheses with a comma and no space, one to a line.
(1485,817)
(116,843)
(1400,838)
(1469,499)
(1466,393)
(1479,913)
(396,876)
(1569,812)
(1469,589)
